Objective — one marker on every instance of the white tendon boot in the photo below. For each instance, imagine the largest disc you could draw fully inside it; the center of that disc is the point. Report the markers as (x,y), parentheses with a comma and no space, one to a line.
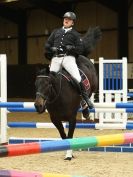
(69,155)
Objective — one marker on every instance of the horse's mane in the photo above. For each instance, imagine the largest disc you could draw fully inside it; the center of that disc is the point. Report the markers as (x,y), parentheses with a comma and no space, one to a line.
(43,71)
(90,39)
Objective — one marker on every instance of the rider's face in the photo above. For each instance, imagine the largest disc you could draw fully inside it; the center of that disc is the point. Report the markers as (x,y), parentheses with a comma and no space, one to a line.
(67,22)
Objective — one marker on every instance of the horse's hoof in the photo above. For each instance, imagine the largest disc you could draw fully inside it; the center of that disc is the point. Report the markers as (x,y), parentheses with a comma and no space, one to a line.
(85,113)
(91,121)
(69,158)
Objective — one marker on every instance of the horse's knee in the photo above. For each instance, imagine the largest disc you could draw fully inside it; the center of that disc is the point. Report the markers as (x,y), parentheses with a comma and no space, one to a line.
(60,128)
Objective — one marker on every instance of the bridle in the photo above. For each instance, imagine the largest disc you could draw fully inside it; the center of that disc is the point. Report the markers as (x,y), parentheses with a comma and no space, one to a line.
(39,93)
(42,95)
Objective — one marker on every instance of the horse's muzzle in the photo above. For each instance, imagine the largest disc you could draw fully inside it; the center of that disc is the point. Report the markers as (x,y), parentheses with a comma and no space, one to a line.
(40,105)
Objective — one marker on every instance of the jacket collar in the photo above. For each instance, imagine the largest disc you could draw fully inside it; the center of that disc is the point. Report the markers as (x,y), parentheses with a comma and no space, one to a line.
(67,29)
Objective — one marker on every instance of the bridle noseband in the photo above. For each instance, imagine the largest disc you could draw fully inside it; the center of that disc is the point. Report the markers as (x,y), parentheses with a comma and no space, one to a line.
(40,95)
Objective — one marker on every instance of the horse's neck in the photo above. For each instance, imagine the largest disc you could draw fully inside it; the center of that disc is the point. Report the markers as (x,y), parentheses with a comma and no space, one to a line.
(54,86)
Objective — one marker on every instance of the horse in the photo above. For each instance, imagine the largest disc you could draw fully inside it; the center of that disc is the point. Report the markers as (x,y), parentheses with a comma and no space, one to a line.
(56,93)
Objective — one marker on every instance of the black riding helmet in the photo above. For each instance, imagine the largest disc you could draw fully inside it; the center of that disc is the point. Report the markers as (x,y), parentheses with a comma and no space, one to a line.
(70,15)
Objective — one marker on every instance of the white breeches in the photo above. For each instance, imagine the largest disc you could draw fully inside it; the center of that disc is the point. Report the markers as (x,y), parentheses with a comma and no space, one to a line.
(67,62)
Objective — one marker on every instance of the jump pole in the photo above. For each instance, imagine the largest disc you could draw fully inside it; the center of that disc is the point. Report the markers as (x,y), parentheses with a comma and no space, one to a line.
(3,98)
(14,173)
(113,148)
(94,110)
(61,145)
(96,105)
(128,126)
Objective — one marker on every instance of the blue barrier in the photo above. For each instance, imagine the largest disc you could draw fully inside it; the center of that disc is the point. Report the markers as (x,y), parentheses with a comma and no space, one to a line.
(96,105)
(128,126)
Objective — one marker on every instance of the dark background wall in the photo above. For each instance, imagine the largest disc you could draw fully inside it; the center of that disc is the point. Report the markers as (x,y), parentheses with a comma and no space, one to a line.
(21,80)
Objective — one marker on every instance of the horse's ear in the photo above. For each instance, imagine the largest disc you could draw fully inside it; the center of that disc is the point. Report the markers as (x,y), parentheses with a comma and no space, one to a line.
(37,69)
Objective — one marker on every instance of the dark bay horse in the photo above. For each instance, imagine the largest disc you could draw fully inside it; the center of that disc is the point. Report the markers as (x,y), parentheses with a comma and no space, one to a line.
(61,99)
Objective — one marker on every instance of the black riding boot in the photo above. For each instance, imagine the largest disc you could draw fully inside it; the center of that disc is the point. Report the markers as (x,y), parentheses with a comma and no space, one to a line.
(85,96)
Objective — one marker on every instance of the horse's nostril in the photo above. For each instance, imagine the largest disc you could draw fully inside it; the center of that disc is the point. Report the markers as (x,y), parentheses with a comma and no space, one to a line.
(40,108)
(35,105)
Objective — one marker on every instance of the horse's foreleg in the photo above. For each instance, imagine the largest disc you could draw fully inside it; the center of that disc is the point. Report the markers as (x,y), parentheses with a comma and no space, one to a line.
(58,124)
(72,124)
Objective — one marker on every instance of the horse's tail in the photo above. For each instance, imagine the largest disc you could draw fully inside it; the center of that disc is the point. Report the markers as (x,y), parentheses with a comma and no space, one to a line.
(90,39)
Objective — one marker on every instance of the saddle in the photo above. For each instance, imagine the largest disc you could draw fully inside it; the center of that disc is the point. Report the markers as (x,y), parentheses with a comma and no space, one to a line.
(73,82)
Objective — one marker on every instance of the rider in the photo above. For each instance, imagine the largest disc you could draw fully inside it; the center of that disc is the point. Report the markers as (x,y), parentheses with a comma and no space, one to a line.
(63,46)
